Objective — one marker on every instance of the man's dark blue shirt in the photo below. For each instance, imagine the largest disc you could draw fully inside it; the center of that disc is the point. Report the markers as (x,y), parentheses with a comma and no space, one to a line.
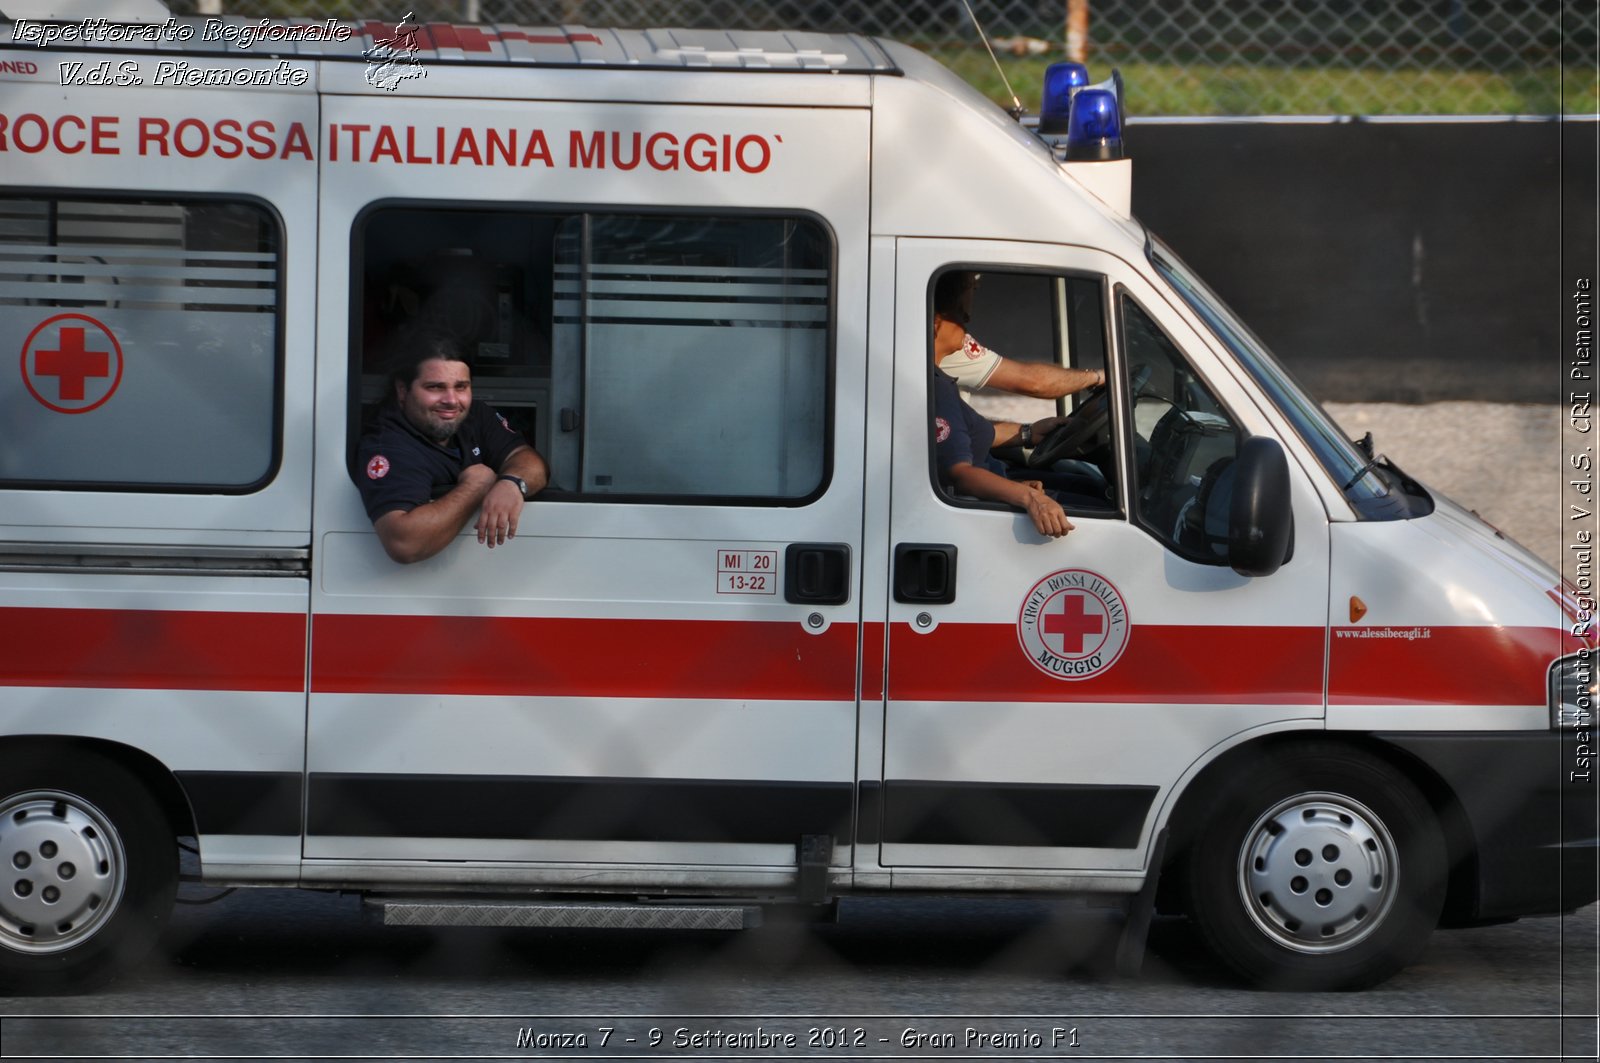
(401,468)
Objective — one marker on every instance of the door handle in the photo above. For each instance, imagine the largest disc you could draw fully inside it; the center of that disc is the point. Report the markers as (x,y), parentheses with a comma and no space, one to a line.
(816,574)
(925,573)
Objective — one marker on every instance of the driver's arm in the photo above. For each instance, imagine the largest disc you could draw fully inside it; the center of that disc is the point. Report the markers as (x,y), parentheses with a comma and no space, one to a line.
(1006,433)
(1042,380)
(1046,513)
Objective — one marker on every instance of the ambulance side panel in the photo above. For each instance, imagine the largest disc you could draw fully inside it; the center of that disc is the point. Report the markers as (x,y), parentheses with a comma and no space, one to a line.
(634,690)
(1068,688)
(159,251)
(1430,650)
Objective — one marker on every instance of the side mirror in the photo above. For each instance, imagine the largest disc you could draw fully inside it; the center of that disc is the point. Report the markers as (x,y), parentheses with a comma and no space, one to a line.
(1260,522)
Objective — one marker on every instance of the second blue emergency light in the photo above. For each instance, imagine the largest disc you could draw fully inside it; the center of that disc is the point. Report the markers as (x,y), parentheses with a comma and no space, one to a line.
(1094,130)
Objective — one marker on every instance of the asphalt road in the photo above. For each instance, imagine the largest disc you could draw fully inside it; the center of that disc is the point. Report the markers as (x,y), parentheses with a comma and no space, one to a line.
(291,975)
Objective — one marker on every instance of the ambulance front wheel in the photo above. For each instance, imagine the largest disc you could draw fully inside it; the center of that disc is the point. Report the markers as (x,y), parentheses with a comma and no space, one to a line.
(88,870)
(1317,868)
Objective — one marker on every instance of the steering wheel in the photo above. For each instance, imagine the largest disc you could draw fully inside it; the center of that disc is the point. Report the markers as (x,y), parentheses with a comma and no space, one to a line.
(1089,420)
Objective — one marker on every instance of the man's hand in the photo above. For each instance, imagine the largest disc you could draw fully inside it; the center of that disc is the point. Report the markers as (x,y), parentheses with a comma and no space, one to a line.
(1046,513)
(1048,517)
(502,508)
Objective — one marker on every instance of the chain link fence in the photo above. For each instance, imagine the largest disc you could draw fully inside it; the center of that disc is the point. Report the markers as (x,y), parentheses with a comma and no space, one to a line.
(1179,56)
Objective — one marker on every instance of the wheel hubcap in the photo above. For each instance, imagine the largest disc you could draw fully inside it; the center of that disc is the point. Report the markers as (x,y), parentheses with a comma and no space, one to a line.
(1318,872)
(62,871)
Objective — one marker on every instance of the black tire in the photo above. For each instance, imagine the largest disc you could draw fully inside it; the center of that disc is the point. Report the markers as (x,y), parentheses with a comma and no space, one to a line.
(1317,867)
(88,870)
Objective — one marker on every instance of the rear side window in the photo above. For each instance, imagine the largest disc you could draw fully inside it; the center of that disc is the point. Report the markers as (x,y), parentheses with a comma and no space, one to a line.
(148,339)
(668,357)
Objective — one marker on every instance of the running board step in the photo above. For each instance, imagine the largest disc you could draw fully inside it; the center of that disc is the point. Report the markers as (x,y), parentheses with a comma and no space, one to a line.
(436,911)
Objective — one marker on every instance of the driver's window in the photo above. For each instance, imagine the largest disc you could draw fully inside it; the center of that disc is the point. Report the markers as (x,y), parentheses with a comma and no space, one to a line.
(1039,323)
(1184,444)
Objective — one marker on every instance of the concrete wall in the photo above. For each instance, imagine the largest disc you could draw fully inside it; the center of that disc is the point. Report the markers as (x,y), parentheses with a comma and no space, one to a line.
(1382,260)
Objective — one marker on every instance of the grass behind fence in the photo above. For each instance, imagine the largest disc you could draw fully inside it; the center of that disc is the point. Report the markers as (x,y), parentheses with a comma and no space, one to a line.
(1249,58)
(1239,89)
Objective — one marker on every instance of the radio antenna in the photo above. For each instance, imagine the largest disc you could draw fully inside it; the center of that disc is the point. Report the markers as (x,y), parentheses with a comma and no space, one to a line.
(1016,109)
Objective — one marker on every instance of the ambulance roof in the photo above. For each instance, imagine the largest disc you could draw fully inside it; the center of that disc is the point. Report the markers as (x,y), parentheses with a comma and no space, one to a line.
(486,43)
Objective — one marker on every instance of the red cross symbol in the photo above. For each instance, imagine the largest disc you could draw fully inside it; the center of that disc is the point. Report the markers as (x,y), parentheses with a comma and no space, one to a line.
(72,363)
(1073,623)
(84,351)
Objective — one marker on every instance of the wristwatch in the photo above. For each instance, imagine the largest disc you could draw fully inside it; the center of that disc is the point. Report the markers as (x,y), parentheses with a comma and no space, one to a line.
(522,485)
(1026,435)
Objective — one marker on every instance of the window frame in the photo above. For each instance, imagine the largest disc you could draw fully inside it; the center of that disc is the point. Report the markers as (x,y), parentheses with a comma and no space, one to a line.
(279,232)
(1060,329)
(580,212)
(1122,293)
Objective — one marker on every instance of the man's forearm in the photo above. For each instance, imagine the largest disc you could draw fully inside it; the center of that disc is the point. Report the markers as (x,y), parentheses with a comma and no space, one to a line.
(1006,434)
(1046,513)
(981,483)
(1042,380)
(420,533)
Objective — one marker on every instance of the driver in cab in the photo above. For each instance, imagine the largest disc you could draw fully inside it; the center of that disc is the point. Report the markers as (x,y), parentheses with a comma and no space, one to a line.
(974,366)
(964,438)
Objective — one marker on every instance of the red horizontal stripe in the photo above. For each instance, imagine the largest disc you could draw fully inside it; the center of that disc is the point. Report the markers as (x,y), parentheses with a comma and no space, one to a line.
(549,38)
(582,658)
(440,35)
(151,649)
(188,650)
(471,39)
(872,648)
(1452,666)
(436,35)
(1161,664)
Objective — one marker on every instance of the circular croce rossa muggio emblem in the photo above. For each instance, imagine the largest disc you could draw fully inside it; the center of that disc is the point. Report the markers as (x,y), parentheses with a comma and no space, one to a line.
(1073,624)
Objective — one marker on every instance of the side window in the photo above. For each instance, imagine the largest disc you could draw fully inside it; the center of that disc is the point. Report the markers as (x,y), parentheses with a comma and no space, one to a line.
(149,343)
(1184,444)
(646,356)
(1032,317)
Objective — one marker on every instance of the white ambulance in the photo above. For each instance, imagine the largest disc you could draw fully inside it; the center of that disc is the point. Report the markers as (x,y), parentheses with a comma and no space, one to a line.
(745,648)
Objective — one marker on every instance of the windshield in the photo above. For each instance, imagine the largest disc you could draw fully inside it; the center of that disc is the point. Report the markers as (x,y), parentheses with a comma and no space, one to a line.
(1362,481)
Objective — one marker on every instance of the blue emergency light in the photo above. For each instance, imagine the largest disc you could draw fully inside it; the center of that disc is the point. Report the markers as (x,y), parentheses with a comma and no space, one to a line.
(1094,130)
(1061,82)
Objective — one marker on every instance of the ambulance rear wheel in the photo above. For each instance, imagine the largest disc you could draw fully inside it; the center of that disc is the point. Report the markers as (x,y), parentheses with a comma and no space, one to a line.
(88,871)
(1317,868)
